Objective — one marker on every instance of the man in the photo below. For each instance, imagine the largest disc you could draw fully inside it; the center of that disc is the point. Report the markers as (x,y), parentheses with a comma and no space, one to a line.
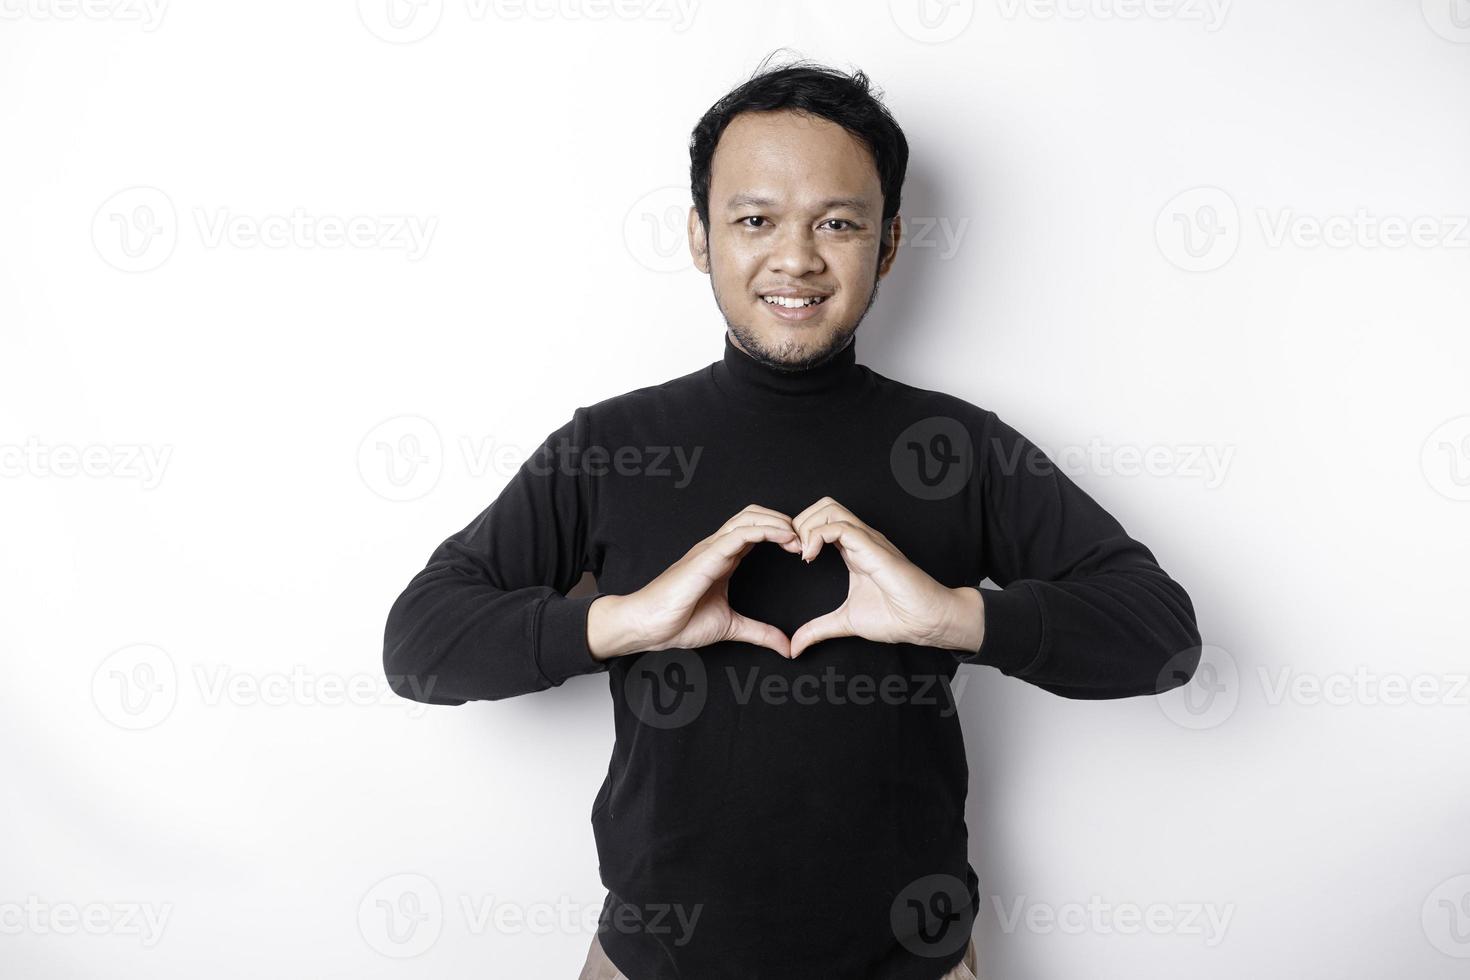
(788,548)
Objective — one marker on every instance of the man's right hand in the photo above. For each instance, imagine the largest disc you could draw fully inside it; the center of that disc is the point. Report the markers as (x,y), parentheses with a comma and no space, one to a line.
(688,606)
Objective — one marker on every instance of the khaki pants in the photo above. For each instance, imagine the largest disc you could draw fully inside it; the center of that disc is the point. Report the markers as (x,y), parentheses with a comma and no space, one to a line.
(599,967)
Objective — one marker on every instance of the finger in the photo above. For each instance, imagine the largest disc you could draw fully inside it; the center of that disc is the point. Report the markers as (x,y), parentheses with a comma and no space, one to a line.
(791,541)
(825,514)
(727,548)
(804,531)
(745,630)
(841,533)
(743,515)
(816,513)
(825,627)
(748,520)
(762,509)
(755,515)
(832,514)
(812,508)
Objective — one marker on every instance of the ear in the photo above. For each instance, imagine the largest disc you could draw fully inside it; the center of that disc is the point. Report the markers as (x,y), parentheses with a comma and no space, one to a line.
(698,241)
(896,230)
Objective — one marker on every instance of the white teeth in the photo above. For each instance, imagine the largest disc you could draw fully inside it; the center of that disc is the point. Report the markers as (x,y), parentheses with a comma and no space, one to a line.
(792,303)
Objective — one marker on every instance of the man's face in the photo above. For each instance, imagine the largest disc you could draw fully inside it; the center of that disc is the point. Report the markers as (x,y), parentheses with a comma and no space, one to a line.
(795,206)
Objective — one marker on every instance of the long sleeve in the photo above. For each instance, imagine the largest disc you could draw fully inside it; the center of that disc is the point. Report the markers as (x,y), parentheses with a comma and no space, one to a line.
(1084,610)
(488,617)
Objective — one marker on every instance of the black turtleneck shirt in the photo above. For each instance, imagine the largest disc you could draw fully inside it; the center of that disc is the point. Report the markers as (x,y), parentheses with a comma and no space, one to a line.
(765,818)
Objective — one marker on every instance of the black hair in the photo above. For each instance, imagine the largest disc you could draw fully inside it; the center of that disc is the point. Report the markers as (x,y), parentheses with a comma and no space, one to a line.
(807,87)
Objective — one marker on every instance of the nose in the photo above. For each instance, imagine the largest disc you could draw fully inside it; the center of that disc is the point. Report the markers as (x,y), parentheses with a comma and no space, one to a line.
(794,253)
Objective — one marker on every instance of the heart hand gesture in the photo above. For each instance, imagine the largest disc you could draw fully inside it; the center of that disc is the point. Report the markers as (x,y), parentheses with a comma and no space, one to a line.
(889,598)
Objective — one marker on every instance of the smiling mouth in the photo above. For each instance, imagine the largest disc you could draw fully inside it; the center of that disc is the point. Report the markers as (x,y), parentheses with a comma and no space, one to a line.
(792,302)
(794,310)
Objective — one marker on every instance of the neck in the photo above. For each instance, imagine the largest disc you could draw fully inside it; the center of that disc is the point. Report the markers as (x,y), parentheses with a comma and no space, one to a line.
(758,385)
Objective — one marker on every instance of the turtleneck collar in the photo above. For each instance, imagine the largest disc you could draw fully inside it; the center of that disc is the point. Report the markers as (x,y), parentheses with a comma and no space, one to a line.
(759,386)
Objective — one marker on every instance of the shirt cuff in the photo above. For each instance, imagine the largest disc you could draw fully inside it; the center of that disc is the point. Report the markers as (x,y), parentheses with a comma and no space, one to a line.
(561,638)
(1013,629)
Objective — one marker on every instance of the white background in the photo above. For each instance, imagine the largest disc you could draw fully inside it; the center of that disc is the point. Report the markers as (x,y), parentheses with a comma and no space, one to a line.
(224,457)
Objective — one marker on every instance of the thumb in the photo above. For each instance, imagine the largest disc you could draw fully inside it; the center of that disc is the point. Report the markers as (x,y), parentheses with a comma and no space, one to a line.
(825,627)
(745,630)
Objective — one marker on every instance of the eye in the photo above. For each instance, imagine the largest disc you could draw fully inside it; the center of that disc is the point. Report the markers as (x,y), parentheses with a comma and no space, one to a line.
(752,217)
(842,221)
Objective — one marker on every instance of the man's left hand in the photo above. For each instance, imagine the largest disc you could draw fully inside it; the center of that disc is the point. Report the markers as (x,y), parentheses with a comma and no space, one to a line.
(889,598)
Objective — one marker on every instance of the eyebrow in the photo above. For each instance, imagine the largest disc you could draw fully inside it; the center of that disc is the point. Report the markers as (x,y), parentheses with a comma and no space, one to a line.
(756,201)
